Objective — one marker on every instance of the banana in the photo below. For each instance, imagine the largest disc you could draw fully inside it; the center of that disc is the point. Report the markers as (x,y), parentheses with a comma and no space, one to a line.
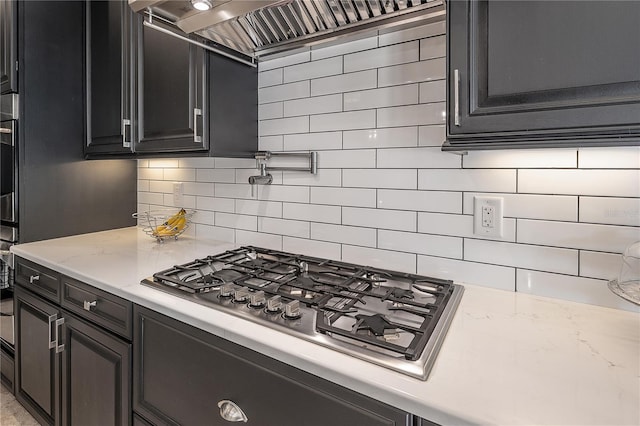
(172,226)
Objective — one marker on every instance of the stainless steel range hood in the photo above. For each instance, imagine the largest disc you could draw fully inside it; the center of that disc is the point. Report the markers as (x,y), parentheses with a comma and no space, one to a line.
(258,28)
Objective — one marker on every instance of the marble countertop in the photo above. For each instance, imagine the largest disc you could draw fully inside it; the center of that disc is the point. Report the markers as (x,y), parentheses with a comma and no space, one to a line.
(508,358)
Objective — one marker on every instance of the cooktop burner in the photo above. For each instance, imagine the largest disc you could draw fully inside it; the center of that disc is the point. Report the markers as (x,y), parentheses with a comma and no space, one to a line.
(390,318)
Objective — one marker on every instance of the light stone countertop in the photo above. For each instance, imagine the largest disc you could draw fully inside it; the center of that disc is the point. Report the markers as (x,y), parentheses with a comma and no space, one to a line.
(508,358)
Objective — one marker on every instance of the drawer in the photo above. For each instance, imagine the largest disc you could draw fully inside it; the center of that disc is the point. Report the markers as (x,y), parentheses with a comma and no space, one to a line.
(98,306)
(38,279)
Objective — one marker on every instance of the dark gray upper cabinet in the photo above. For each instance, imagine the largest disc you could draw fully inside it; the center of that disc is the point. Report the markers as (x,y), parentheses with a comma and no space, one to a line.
(171,93)
(9,43)
(542,73)
(109,31)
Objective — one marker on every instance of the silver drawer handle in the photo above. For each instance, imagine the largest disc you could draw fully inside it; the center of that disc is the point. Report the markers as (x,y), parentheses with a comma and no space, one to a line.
(231,412)
(88,305)
(34,278)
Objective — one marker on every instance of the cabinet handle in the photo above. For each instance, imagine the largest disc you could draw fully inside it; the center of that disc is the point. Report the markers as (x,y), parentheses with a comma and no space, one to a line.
(197,112)
(34,278)
(52,343)
(88,305)
(59,348)
(231,412)
(126,141)
(456,97)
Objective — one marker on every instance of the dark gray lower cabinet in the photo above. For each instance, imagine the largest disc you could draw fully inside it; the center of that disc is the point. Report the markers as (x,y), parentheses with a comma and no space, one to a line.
(181,374)
(68,371)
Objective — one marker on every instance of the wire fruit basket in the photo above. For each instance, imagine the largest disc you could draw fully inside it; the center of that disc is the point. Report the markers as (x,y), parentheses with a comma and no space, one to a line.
(164,223)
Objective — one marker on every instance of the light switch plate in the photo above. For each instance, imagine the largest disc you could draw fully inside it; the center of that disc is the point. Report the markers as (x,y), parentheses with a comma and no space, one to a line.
(178,194)
(488,216)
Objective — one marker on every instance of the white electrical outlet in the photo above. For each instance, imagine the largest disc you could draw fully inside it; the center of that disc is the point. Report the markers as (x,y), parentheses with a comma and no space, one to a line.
(178,194)
(487,216)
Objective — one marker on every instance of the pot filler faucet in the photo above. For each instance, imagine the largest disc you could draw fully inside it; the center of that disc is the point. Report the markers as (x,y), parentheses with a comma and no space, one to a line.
(265,178)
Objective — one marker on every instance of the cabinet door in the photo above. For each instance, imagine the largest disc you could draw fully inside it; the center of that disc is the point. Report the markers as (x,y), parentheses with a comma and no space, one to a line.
(108,70)
(534,73)
(37,364)
(171,87)
(9,41)
(96,374)
(182,373)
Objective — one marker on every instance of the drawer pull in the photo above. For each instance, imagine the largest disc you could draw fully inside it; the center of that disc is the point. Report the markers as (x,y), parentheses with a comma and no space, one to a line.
(34,278)
(231,412)
(52,319)
(87,305)
(59,348)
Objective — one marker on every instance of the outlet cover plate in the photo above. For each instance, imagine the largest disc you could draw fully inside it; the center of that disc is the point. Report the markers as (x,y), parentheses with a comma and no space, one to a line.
(178,194)
(496,206)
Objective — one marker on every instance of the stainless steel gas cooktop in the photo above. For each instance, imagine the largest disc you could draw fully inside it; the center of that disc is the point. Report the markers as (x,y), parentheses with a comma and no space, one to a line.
(393,319)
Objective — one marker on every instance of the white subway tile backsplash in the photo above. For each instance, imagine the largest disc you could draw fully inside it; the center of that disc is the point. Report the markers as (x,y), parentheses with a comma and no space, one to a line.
(505,159)
(199,188)
(344,196)
(216,175)
(467,180)
(293,228)
(348,159)
(434,47)
(381,138)
(283,126)
(434,69)
(343,121)
(143,185)
(312,212)
(415,33)
(527,206)
(382,57)
(609,158)
(379,218)
(259,208)
(434,245)
(412,115)
(235,163)
(312,248)
(428,201)
(296,58)
(343,48)
(294,194)
(612,183)
(460,226)
(230,190)
(160,186)
(270,78)
(343,234)
(315,105)
(259,239)
(271,110)
(225,205)
(500,277)
(215,233)
(419,158)
(164,163)
(315,69)
(605,266)
(150,174)
(237,221)
(575,289)
(434,135)
(188,201)
(204,217)
(609,210)
(196,162)
(344,83)
(180,175)
(549,259)
(380,178)
(433,91)
(151,198)
(384,97)
(283,92)
(403,262)
(324,177)
(313,141)
(271,143)
(587,236)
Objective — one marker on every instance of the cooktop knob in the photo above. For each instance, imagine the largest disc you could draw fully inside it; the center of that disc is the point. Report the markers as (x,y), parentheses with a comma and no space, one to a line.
(292,310)
(241,295)
(226,290)
(257,299)
(274,304)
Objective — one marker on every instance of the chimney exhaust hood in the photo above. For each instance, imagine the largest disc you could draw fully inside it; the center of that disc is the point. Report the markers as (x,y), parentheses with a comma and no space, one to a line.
(256,29)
